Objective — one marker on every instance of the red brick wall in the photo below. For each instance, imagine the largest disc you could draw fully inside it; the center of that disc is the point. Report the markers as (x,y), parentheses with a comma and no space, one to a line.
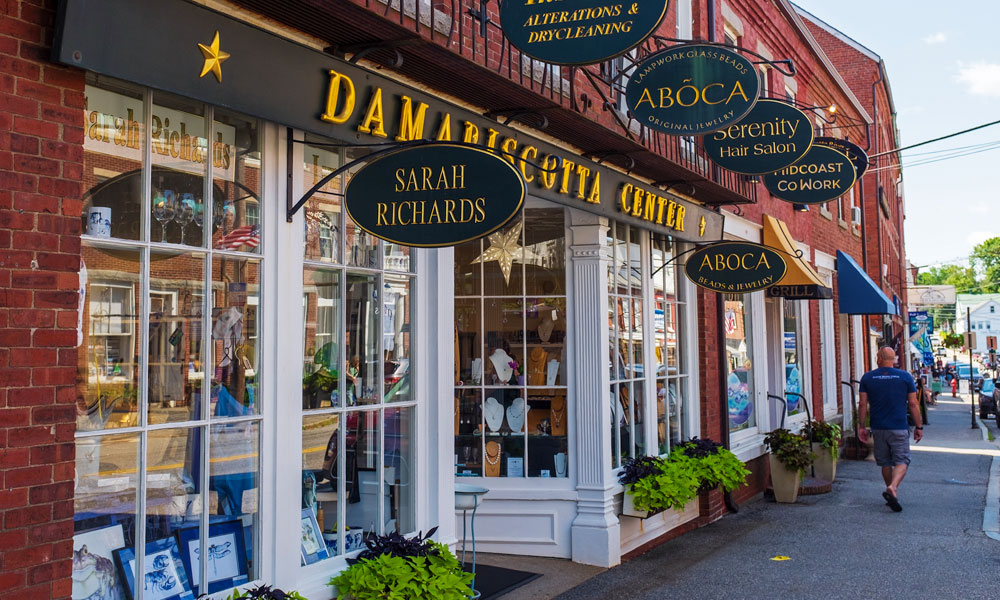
(41,148)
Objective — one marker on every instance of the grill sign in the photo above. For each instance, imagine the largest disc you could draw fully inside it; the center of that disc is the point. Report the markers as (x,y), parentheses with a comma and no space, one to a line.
(434,195)
(773,136)
(854,152)
(579,32)
(692,89)
(735,267)
(824,174)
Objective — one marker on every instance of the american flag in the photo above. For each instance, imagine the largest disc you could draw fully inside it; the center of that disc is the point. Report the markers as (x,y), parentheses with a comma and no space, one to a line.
(248,235)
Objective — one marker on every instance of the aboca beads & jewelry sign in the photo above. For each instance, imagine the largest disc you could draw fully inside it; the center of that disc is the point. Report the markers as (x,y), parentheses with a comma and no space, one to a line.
(579,32)
(692,89)
(735,267)
(822,175)
(773,136)
(434,195)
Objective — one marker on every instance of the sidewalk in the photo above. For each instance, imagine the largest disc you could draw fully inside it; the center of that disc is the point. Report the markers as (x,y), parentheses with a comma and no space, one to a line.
(843,544)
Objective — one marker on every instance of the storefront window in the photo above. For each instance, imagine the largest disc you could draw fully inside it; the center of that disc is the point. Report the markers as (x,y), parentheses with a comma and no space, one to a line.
(739,355)
(358,423)
(792,341)
(168,367)
(671,363)
(626,340)
(510,350)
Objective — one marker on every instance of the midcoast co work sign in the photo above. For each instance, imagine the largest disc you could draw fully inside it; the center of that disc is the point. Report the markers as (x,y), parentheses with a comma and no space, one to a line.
(434,196)
(579,32)
(773,136)
(275,79)
(824,174)
(735,267)
(692,89)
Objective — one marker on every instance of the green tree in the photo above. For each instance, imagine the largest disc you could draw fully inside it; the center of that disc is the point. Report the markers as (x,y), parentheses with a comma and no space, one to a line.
(985,259)
(962,277)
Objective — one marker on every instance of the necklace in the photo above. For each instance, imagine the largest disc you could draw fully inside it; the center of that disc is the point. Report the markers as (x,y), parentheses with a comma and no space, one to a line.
(515,415)
(558,413)
(493,458)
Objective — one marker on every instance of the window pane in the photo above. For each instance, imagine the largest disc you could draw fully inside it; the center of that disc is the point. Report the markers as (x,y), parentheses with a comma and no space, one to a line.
(235,309)
(322,458)
(234,480)
(322,339)
(236,169)
(793,366)
(468,270)
(503,260)
(469,432)
(396,324)
(397,257)
(739,349)
(362,247)
(363,330)
(677,404)
(545,251)
(180,150)
(114,122)
(505,413)
(362,474)
(546,323)
(504,340)
(400,469)
(468,342)
(322,210)
(547,442)
(104,518)
(108,357)
(639,417)
(616,424)
(662,420)
(176,336)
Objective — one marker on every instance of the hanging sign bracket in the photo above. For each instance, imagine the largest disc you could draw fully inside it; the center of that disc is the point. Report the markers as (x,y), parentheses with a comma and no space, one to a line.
(789,66)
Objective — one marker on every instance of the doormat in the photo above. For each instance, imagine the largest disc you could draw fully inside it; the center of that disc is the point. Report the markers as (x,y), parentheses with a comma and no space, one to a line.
(493,582)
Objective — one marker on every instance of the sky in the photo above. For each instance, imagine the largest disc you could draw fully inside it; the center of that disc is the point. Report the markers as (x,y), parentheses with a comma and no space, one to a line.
(944,68)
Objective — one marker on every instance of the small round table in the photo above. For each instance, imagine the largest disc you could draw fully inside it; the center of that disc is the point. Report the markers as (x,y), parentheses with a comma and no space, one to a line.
(468,497)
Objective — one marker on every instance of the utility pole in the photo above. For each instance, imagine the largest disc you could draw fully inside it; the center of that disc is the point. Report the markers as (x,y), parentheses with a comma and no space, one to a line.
(972,386)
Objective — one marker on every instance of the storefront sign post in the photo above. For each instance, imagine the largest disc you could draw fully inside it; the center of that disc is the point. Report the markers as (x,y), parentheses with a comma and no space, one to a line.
(735,267)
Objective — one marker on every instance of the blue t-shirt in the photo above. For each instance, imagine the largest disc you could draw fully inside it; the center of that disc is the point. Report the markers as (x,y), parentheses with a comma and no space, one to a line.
(887,390)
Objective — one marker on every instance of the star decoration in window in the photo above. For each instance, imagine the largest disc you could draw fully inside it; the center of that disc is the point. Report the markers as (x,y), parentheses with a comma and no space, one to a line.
(505,249)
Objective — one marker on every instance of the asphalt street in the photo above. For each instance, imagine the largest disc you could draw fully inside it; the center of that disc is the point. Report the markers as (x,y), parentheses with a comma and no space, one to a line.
(847,543)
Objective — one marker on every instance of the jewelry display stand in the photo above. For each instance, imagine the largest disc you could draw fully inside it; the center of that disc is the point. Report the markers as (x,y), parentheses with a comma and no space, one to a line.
(536,366)
(492,459)
(557,411)
(516,415)
(494,413)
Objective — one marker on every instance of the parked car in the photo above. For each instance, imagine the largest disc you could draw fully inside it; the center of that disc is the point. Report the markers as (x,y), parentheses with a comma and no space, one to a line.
(988,396)
(962,371)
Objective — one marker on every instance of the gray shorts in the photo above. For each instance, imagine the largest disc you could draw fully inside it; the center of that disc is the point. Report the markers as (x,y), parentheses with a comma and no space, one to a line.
(892,447)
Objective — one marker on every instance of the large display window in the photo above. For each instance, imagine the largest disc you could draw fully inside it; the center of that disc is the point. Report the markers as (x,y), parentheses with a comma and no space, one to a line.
(510,349)
(740,386)
(168,409)
(358,407)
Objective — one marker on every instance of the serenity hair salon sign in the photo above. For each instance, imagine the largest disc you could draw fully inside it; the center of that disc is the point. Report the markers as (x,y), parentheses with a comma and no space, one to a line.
(773,136)
(692,89)
(579,32)
(434,195)
(735,267)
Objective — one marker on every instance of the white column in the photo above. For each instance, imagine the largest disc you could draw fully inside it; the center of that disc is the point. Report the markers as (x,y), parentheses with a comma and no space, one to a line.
(595,531)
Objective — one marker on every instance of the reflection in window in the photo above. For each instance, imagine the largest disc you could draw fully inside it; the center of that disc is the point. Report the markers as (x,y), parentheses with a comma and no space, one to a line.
(510,351)
(671,370)
(626,340)
(792,342)
(739,355)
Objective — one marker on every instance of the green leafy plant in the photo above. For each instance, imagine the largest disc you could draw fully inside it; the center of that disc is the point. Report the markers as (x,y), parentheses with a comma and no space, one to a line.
(428,570)
(262,592)
(827,435)
(673,484)
(714,465)
(790,449)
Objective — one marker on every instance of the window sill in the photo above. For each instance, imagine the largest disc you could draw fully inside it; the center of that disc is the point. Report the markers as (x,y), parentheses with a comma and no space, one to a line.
(843,224)
(749,448)
(825,213)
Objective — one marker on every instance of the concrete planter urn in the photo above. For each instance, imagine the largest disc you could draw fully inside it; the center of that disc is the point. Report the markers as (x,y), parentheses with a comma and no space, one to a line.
(825,462)
(785,481)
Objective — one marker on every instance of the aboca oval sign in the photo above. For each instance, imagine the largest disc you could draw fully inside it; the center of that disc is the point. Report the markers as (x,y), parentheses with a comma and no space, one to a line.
(822,175)
(434,195)
(579,32)
(735,267)
(692,89)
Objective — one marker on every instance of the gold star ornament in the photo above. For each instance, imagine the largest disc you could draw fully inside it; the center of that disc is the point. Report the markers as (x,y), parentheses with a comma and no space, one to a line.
(505,250)
(213,58)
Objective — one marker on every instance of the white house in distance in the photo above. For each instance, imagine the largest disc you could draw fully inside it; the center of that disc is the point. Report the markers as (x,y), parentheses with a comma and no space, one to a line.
(984,317)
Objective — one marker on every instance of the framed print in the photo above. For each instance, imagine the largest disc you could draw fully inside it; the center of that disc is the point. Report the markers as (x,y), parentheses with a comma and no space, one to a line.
(163,574)
(94,573)
(226,552)
(313,547)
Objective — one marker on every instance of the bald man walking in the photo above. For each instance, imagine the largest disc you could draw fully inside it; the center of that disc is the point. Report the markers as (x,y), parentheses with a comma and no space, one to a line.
(889,392)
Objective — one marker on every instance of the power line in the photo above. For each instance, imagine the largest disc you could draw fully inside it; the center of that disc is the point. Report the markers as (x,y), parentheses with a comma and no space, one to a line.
(938,139)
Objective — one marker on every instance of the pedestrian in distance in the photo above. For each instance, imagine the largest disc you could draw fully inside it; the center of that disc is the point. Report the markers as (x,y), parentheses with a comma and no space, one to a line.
(889,392)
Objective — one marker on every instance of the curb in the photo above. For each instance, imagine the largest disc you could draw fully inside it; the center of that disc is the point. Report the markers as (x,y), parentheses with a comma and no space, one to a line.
(991,514)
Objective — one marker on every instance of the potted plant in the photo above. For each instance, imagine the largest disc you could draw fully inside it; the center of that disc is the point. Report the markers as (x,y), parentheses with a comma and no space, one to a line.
(393,566)
(825,439)
(715,466)
(262,592)
(789,458)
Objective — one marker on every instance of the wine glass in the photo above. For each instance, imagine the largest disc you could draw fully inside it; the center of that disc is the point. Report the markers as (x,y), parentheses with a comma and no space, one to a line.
(185,213)
(164,209)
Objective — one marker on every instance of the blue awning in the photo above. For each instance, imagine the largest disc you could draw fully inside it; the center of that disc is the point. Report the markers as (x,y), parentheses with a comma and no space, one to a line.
(857,293)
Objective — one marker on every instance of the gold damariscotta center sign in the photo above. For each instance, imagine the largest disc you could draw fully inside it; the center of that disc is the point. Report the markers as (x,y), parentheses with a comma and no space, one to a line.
(434,195)
(579,32)
(735,267)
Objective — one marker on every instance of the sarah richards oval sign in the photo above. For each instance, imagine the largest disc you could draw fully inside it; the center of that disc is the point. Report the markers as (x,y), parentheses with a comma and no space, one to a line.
(692,89)
(773,136)
(735,267)
(434,195)
(579,32)
(822,175)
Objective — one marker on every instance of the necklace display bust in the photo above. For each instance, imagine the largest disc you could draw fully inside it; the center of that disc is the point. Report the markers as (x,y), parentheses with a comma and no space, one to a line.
(536,366)
(546,326)
(492,459)
(493,412)
(515,415)
(501,365)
